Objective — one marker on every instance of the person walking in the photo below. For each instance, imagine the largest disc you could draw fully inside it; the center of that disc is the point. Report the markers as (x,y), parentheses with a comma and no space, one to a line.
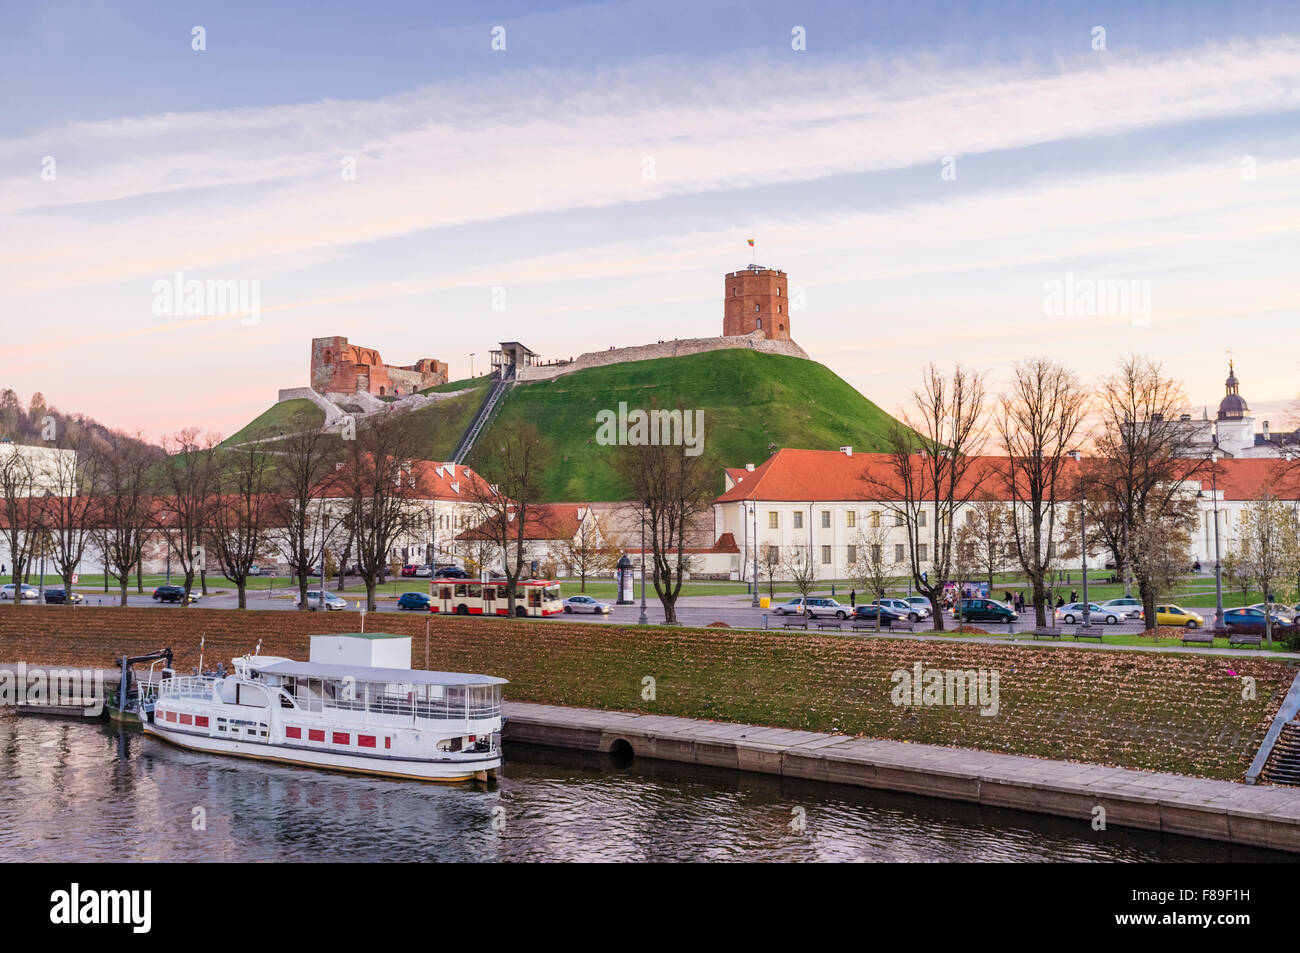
(853,598)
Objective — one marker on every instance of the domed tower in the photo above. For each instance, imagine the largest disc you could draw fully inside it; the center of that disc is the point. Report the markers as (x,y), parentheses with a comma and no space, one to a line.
(757,299)
(1233,406)
(1235,427)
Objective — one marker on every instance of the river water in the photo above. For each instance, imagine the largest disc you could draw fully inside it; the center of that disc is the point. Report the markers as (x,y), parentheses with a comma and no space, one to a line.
(74,791)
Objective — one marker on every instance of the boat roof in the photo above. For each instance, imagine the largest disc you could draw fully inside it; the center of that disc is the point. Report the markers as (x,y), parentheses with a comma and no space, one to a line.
(365,673)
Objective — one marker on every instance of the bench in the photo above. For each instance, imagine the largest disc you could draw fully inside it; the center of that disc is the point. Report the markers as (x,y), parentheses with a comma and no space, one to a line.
(828,624)
(795,624)
(1241,638)
(1198,636)
(1048,632)
(1088,632)
(902,625)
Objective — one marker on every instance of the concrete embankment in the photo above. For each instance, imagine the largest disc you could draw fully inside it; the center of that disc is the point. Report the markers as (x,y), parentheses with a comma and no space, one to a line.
(1258,816)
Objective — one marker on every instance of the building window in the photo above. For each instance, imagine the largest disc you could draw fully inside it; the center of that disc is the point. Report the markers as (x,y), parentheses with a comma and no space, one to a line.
(898,552)
(773,520)
(760,324)
(826,555)
(898,519)
(875,519)
(922,552)
(875,553)
(826,519)
(778,309)
(852,554)
(920,518)
(852,519)
(798,519)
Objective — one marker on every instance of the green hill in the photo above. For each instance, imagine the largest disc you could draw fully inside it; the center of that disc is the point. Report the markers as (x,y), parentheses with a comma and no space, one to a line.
(288,416)
(443,423)
(752,402)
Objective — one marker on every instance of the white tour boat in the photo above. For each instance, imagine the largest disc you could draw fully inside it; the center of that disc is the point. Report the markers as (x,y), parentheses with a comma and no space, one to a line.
(357,706)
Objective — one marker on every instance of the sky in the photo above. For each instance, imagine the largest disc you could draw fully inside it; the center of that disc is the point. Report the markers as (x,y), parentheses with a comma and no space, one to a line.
(935,180)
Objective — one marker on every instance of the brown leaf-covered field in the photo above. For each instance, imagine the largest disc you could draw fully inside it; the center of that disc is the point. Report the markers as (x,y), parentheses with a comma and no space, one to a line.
(1183,713)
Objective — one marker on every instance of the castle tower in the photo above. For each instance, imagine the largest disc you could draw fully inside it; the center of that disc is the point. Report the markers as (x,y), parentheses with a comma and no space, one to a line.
(757,299)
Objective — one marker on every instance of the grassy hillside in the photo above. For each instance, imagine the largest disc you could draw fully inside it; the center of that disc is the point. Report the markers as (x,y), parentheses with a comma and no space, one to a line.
(443,423)
(752,402)
(289,416)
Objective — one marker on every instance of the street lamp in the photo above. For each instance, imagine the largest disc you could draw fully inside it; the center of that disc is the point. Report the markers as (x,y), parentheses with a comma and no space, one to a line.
(754,545)
(644,620)
(471,363)
(1218,565)
(1083,534)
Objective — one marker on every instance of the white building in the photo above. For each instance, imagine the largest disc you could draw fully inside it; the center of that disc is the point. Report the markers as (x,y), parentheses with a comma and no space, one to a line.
(828,499)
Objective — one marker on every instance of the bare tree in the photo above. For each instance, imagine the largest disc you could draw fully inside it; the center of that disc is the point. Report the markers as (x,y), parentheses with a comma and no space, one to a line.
(70,509)
(22,509)
(378,487)
(587,552)
(125,507)
(241,511)
(872,568)
(769,564)
(1270,548)
(929,477)
(1039,421)
(1146,454)
(188,485)
(983,536)
(513,460)
(671,491)
(305,461)
(800,566)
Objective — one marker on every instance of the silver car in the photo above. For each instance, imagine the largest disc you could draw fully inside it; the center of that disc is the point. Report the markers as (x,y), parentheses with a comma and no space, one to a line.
(29,592)
(587,604)
(792,607)
(1126,606)
(332,601)
(1074,613)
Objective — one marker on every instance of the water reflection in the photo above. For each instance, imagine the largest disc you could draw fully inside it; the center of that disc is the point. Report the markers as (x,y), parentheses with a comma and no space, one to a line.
(75,791)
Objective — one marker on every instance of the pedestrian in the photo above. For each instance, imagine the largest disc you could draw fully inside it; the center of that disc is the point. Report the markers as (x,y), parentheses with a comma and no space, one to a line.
(1060,601)
(853,598)
(1074,595)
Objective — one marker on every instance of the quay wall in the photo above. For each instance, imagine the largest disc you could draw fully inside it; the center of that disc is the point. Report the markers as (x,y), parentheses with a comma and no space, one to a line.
(1141,710)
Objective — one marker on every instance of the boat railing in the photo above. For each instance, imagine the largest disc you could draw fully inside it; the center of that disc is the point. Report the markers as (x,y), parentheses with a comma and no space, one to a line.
(187,686)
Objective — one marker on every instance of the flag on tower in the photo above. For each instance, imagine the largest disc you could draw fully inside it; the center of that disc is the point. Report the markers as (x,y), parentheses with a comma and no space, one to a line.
(751,242)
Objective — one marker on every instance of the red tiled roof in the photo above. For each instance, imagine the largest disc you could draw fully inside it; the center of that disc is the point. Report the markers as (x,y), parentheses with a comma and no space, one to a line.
(807,475)
(544,521)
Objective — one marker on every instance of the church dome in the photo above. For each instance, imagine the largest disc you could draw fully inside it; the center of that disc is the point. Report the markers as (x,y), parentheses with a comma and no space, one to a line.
(1233,406)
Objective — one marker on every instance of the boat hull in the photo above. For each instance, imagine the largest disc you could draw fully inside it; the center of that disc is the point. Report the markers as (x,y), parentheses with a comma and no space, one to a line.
(481,769)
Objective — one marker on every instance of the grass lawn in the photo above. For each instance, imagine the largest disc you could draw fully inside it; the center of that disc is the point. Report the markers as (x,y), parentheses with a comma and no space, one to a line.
(287,416)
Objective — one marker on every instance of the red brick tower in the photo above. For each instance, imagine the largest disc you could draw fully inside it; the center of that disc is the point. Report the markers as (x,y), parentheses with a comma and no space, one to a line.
(757,300)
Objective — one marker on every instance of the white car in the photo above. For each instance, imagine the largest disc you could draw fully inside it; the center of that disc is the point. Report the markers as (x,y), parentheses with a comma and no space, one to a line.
(1074,613)
(827,607)
(921,605)
(7,592)
(1126,606)
(792,607)
(905,608)
(587,604)
(332,601)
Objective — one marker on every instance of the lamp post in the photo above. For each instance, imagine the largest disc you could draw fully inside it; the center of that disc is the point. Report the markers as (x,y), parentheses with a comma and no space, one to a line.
(1218,565)
(1083,535)
(471,363)
(754,544)
(644,620)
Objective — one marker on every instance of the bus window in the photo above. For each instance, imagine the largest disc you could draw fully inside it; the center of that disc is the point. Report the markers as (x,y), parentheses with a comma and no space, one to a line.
(445,592)
(534,596)
(460,589)
(476,591)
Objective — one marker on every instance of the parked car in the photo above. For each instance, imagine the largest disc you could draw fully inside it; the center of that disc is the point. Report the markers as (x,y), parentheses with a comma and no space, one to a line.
(922,605)
(450,572)
(1176,615)
(29,592)
(261,570)
(984,610)
(1249,620)
(792,607)
(413,600)
(174,594)
(888,616)
(332,601)
(1074,613)
(59,597)
(905,608)
(1286,612)
(827,607)
(1126,606)
(587,604)
(408,569)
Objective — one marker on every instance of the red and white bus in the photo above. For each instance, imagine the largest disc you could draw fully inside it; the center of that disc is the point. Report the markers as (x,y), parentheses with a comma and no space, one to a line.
(535,597)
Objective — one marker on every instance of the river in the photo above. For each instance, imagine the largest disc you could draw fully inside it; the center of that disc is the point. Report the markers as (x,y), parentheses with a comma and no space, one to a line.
(73,791)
